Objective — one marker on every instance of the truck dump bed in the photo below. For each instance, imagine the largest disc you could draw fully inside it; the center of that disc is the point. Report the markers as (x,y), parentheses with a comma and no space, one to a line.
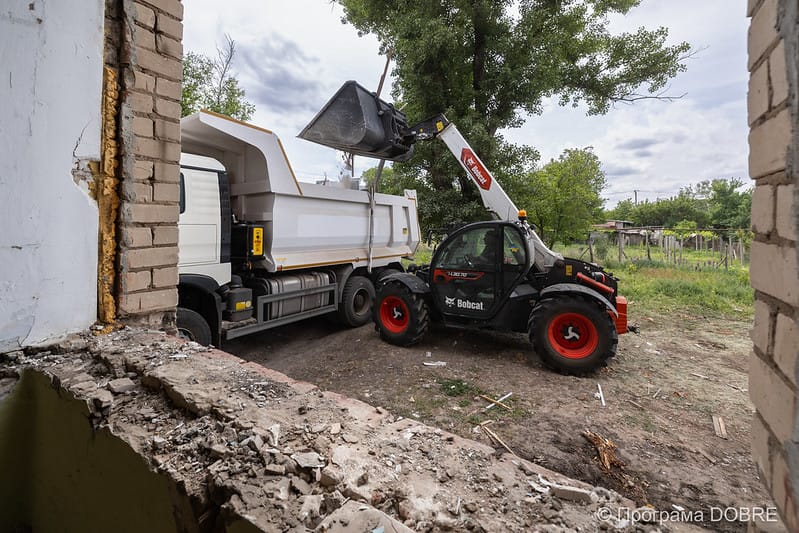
(306,225)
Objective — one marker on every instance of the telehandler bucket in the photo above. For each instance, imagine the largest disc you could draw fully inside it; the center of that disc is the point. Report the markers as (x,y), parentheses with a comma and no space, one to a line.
(357,121)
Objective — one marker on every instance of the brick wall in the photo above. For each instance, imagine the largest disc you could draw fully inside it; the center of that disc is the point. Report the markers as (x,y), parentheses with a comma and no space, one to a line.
(144,43)
(773,165)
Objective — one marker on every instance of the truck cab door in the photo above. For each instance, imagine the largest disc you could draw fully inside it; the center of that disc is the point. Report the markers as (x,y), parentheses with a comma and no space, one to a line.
(466,280)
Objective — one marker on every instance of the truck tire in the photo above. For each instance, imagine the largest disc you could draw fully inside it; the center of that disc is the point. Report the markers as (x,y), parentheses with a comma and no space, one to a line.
(572,335)
(401,317)
(192,326)
(357,299)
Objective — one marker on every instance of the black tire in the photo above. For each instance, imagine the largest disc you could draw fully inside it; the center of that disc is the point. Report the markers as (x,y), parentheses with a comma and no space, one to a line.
(401,317)
(357,298)
(572,335)
(192,326)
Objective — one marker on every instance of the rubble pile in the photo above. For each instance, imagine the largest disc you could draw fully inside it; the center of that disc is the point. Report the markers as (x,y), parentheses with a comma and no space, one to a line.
(250,444)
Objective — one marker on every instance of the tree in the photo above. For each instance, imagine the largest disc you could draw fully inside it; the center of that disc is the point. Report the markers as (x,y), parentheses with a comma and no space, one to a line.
(563,199)
(208,83)
(487,63)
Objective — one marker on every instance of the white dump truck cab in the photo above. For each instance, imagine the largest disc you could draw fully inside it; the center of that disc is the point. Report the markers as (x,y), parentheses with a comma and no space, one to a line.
(259,249)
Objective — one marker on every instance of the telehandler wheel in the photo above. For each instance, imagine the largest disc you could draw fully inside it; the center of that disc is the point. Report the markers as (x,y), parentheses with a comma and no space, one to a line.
(192,326)
(400,316)
(572,335)
(357,298)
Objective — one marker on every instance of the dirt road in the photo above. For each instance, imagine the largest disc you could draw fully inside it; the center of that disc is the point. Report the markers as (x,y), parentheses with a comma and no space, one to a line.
(661,393)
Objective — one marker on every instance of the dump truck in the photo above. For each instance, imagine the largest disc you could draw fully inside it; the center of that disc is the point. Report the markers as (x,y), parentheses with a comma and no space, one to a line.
(259,249)
(495,274)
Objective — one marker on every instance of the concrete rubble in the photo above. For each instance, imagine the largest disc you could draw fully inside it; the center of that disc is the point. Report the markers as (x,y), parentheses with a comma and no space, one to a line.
(251,446)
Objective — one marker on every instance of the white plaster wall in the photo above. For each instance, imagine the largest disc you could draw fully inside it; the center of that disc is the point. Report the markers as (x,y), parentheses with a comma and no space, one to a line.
(51,64)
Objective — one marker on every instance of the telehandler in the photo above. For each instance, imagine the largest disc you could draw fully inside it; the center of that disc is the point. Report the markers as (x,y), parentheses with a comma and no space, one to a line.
(495,275)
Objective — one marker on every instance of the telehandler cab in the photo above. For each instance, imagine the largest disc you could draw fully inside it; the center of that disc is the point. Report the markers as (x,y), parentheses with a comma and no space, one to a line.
(496,274)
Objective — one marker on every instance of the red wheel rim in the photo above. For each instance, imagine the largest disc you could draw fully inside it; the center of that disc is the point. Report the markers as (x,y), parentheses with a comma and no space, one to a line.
(573,335)
(394,314)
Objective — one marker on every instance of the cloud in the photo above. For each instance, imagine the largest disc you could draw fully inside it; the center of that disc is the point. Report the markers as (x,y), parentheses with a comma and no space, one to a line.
(278,75)
(616,169)
(637,144)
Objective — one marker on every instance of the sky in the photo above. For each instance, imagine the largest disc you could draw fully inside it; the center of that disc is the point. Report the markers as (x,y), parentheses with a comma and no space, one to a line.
(291,57)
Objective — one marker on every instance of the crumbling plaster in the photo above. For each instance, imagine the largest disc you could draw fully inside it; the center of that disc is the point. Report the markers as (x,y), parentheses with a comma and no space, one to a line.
(52,55)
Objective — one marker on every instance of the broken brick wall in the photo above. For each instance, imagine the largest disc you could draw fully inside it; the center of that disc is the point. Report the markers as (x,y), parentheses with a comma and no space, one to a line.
(773,165)
(143,45)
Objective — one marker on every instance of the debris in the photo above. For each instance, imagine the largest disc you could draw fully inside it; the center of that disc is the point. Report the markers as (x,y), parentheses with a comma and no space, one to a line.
(706,455)
(349,438)
(274,432)
(308,460)
(435,363)
(121,385)
(428,354)
(499,400)
(335,428)
(719,427)
(699,375)
(496,438)
(654,396)
(604,448)
(538,488)
(275,470)
(638,405)
(573,494)
(601,396)
(495,402)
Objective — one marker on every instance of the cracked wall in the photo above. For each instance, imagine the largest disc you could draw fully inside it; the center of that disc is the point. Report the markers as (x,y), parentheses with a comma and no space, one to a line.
(52,55)
(773,108)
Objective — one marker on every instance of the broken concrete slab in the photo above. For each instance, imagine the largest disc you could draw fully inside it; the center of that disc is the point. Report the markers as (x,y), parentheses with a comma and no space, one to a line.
(121,385)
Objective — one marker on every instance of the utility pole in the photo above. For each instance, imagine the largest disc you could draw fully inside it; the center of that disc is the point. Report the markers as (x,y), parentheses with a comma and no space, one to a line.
(635,191)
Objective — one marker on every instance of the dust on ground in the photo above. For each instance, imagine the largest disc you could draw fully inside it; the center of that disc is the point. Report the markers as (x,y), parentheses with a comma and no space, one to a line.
(661,392)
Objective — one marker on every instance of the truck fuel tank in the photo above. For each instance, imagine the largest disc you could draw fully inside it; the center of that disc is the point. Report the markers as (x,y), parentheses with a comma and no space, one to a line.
(357,121)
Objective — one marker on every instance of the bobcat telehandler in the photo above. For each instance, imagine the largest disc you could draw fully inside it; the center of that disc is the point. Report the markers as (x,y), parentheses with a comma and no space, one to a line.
(495,275)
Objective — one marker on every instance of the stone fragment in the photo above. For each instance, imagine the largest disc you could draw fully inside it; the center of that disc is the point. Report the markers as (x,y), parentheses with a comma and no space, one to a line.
(308,460)
(282,492)
(335,428)
(349,438)
(330,477)
(121,385)
(318,428)
(573,494)
(275,470)
(311,507)
(102,398)
(300,485)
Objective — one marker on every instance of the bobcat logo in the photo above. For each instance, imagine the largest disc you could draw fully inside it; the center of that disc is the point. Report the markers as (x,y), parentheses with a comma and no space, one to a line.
(449,302)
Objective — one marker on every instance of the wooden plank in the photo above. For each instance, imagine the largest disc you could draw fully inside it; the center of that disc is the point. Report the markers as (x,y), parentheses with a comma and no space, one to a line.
(719,427)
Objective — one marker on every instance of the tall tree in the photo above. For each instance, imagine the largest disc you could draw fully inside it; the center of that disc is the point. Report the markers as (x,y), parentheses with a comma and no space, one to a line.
(563,198)
(208,83)
(487,63)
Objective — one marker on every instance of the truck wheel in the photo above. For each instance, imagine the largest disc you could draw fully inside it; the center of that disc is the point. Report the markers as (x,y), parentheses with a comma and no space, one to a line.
(400,316)
(192,326)
(357,298)
(572,335)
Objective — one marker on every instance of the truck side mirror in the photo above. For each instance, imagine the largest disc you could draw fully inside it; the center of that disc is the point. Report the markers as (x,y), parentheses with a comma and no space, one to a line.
(357,121)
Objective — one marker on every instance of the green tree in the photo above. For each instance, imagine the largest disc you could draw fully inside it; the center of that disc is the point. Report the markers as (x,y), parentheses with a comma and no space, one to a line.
(208,83)
(563,197)
(729,207)
(488,63)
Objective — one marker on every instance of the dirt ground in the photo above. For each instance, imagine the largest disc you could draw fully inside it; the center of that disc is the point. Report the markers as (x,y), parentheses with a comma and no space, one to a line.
(661,392)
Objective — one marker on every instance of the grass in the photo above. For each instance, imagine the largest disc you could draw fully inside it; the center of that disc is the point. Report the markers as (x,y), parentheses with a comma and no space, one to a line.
(693,287)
